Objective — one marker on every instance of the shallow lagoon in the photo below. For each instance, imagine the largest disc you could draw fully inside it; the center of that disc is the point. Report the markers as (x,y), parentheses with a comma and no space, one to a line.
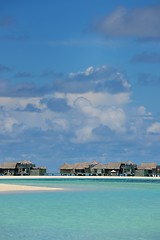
(88,209)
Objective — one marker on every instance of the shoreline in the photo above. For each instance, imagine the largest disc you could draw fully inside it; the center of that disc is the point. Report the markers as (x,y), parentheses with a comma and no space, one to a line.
(78,177)
(11,188)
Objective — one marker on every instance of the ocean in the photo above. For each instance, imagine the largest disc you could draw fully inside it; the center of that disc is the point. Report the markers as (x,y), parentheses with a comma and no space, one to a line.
(89,209)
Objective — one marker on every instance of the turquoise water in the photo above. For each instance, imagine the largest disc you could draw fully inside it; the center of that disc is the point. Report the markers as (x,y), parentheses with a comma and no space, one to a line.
(87,209)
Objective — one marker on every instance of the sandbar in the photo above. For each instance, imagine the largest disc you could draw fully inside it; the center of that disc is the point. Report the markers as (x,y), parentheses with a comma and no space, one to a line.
(17,188)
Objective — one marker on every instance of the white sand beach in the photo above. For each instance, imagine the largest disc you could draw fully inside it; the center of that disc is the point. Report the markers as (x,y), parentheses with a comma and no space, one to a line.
(20,188)
(13,188)
(77,177)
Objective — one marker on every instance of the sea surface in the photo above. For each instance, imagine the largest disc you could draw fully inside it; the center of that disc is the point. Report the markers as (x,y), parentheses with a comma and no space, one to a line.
(89,209)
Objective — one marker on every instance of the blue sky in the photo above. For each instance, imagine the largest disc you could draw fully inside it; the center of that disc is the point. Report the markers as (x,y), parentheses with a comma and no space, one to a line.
(79,80)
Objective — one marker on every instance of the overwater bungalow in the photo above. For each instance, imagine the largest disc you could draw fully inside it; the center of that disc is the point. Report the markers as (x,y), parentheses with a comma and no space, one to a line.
(98,169)
(23,168)
(67,169)
(38,171)
(77,169)
(82,168)
(128,168)
(114,169)
(110,169)
(146,169)
(8,168)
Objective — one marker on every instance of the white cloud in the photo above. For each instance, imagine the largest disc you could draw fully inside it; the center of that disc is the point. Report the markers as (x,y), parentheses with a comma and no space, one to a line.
(102,79)
(90,117)
(97,98)
(12,103)
(154,128)
(89,71)
(139,22)
(86,73)
(84,135)
(45,120)
(7,123)
(13,113)
(142,111)
(89,110)
(114,118)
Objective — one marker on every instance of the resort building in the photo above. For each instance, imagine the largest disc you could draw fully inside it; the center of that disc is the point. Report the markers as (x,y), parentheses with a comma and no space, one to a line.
(77,169)
(38,171)
(110,169)
(113,169)
(23,168)
(98,169)
(67,169)
(8,168)
(82,168)
(147,169)
(128,168)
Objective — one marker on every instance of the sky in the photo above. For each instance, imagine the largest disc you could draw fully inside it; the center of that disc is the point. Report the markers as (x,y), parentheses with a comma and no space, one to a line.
(79,81)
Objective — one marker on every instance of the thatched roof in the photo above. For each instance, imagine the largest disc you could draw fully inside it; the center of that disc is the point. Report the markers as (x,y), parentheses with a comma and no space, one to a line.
(78,165)
(67,166)
(114,165)
(8,165)
(100,166)
(147,166)
(81,165)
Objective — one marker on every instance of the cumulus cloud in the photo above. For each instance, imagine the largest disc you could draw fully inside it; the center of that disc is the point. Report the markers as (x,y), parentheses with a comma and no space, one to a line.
(97,98)
(52,118)
(56,104)
(101,79)
(91,117)
(84,116)
(30,108)
(142,23)
(104,79)
(92,98)
(11,104)
(22,89)
(44,121)
(113,117)
(89,71)
(93,110)
(77,114)
(7,123)
(143,112)
(154,128)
